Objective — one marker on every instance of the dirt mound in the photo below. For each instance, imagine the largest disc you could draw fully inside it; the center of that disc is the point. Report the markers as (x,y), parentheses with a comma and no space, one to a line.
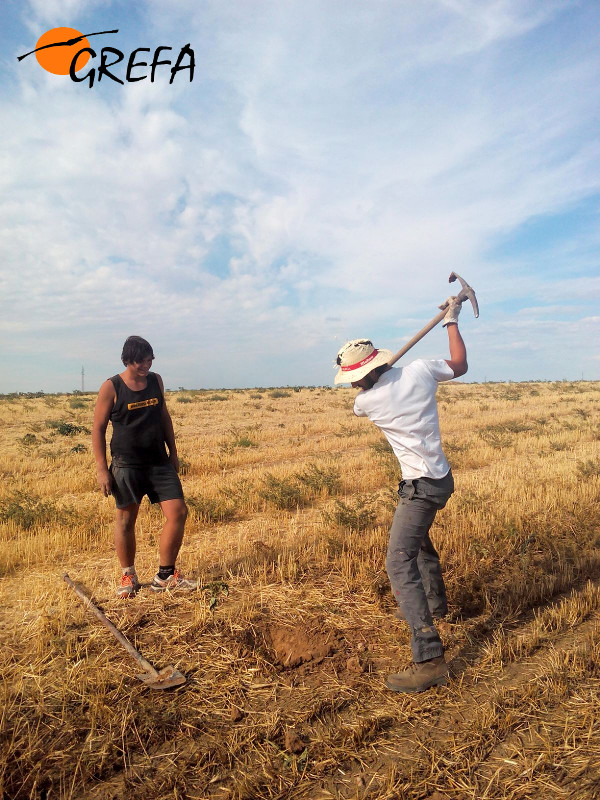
(292,647)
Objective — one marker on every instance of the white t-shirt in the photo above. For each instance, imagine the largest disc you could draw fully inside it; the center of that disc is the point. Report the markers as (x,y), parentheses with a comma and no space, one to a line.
(402,404)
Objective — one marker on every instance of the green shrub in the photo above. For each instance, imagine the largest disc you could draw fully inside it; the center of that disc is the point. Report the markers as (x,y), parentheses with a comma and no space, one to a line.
(217,397)
(451,446)
(581,412)
(215,589)
(211,509)
(559,446)
(508,426)
(244,441)
(496,439)
(66,428)
(240,492)
(27,510)
(320,479)
(79,448)
(241,438)
(589,468)
(279,393)
(347,431)
(284,493)
(184,399)
(357,516)
(28,439)
(77,404)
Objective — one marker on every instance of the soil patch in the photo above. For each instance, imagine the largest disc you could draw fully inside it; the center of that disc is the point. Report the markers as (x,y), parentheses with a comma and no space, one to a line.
(294,646)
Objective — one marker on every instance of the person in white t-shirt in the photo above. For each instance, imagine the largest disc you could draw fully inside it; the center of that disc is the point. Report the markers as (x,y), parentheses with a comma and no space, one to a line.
(401,402)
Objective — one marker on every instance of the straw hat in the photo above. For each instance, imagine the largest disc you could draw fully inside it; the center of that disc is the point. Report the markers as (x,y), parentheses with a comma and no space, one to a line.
(357,358)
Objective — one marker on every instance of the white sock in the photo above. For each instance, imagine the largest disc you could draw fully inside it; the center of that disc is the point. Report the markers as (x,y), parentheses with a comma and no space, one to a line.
(129,570)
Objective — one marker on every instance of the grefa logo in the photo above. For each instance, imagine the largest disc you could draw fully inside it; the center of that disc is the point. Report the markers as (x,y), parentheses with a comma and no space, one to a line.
(66,51)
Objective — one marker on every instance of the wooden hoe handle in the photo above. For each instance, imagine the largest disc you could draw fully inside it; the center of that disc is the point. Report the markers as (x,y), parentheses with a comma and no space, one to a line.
(115,631)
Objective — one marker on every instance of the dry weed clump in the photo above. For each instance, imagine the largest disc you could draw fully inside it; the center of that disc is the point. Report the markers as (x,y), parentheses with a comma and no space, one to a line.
(287,641)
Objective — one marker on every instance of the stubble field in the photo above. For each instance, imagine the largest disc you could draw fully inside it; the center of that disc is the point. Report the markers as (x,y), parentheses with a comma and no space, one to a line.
(288,641)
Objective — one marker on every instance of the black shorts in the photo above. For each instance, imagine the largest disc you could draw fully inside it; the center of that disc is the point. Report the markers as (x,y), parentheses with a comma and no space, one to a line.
(130,484)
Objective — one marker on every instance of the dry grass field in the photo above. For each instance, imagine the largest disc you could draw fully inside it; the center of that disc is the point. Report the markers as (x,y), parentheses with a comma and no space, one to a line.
(287,643)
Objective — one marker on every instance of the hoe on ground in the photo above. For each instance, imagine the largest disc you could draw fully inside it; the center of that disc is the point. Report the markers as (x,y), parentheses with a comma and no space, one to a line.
(153,678)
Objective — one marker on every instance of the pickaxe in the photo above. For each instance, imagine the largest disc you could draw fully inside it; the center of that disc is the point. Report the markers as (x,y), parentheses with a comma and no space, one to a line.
(466,293)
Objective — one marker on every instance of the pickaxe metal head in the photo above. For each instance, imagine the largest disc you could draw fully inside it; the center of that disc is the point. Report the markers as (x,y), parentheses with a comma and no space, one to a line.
(466,292)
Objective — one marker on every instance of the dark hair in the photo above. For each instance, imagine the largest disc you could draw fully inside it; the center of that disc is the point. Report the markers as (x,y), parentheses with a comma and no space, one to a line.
(135,350)
(381,369)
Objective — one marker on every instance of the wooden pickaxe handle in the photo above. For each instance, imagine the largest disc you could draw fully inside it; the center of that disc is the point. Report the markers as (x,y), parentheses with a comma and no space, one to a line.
(417,337)
(466,293)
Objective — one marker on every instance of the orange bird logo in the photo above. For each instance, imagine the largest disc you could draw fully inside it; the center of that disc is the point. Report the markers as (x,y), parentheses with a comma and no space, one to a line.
(56,49)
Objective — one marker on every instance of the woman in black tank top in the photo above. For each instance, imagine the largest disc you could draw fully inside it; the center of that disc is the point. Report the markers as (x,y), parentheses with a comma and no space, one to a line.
(141,466)
(138,436)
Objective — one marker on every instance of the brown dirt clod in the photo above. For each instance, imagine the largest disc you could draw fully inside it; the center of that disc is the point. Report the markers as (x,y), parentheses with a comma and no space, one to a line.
(354,664)
(292,647)
(293,742)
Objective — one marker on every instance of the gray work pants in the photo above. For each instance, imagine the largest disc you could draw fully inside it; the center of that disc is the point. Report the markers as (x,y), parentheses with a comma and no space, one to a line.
(413,564)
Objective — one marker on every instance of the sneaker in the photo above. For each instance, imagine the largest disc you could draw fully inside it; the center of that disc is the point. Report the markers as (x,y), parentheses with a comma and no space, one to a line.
(419,677)
(175,582)
(129,585)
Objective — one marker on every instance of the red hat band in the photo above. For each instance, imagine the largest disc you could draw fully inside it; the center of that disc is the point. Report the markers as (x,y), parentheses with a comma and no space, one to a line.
(360,363)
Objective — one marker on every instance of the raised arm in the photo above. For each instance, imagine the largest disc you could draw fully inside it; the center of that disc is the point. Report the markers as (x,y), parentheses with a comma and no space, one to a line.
(104,406)
(458,352)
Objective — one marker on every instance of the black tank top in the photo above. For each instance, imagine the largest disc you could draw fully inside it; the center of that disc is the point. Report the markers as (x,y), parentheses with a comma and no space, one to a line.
(138,438)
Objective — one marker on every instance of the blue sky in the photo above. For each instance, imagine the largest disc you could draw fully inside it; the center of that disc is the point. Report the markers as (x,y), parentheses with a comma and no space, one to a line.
(327,168)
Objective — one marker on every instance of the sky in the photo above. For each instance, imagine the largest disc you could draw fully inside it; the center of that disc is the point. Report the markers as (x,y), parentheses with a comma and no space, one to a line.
(329,165)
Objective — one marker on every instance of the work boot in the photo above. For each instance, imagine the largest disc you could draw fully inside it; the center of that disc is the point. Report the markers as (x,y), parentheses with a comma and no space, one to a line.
(419,676)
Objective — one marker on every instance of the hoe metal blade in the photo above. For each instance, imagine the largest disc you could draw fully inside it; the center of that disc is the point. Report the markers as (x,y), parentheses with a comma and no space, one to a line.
(163,679)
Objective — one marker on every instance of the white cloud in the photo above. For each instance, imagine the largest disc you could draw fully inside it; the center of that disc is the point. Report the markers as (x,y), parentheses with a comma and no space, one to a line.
(328,161)
(61,13)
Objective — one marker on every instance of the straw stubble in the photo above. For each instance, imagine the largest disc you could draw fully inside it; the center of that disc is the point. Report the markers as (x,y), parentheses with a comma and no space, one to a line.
(287,642)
